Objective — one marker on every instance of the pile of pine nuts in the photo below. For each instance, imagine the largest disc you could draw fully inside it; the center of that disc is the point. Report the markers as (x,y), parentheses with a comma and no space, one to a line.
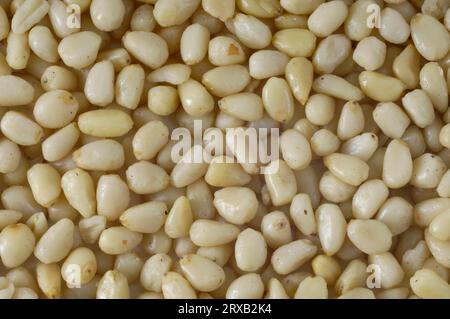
(93,204)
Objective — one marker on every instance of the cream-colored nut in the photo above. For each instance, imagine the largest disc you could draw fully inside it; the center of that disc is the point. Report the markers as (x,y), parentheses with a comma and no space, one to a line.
(430,37)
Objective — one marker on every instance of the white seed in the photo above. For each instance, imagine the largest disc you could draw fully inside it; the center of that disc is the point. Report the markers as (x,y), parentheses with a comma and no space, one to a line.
(331,227)
(117,240)
(238,205)
(113,285)
(369,236)
(250,250)
(16,244)
(249,286)
(56,242)
(290,257)
(145,218)
(203,274)
(79,190)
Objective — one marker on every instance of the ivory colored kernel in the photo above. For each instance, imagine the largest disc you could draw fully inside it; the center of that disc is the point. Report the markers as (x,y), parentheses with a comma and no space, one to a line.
(355,25)
(49,279)
(331,227)
(208,233)
(393,27)
(224,50)
(438,248)
(249,286)
(9,217)
(326,267)
(146,178)
(295,42)
(91,228)
(146,148)
(406,66)
(107,15)
(203,274)
(113,285)
(432,81)
(16,91)
(331,52)
(428,285)
(79,267)
(250,250)
(299,75)
(348,168)
(429,36)
(419,107)
(369,236)
(443,188)
(391,119)
(55,109)
(79,50)
(20,129)
(327,18)
(16,244)
(245,28)
(10,156)
(43,44)
(99,86)
(224,172)
(56,242)
(232,105)
(397,214)
(428,170)
(335,189)
(194,43)
(380,87)
(105,123)
(337,87)
(45,183)
(78,188)
(295,149)
(312,288)
(179,219)
(276,229)
(351,121)
(290,257)
(147,47)
(101,155)
(281,182)
(190,168)
(439,226)
(302,214)
(358,293)
(368,198)
(60,143)
(222,10)
(278,100)
(171,73)
(175,286)
(118,240)
(264,64)
(129,86)
(173,12)
(226,80)
(153,270)
(58,78)
(370,53)
(391,272)
(397,165)
(195,99)
(145,218)
(17,50)
(238,205)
